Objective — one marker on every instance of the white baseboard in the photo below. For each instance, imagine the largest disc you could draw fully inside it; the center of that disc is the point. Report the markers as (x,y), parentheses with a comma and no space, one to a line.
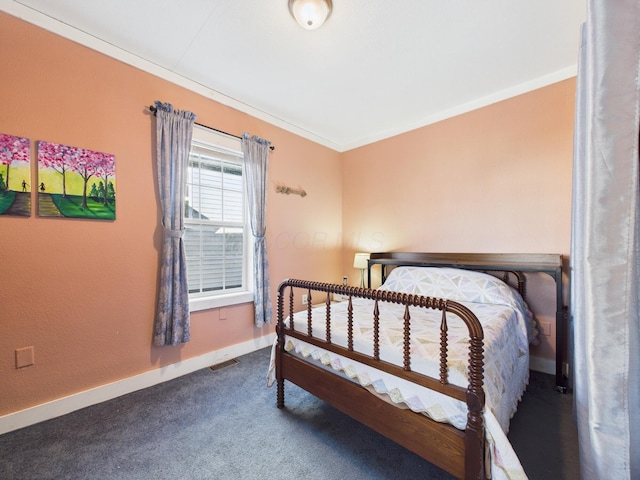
(543,365)
(93,396)
(71,403)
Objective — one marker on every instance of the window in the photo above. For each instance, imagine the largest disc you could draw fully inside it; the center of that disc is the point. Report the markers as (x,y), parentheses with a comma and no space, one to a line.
(217,234)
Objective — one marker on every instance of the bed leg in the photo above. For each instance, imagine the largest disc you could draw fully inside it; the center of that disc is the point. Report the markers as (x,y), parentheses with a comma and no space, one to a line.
(280,401)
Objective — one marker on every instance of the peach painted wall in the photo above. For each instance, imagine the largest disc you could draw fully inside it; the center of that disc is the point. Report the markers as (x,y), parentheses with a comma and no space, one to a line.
(83,292)
(497,179)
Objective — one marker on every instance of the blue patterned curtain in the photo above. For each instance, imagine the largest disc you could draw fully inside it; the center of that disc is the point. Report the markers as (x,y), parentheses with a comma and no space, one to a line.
(174,129)
(256,158)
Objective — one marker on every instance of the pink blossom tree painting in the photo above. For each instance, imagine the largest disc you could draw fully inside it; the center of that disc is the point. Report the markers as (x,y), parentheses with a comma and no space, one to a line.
(15,175)
(75,182)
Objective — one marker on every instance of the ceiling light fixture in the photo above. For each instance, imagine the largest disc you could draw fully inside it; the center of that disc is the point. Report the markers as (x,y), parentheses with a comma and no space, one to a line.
(310,14)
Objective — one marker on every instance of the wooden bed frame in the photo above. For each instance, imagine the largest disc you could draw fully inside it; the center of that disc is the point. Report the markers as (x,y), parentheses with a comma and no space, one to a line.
(461,453)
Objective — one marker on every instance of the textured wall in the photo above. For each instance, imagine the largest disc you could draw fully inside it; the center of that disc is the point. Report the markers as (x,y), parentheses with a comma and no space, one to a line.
(82,293)
(497,179)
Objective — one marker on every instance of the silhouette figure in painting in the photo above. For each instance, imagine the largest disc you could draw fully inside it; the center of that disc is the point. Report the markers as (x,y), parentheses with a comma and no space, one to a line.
(42,186)
(24,185)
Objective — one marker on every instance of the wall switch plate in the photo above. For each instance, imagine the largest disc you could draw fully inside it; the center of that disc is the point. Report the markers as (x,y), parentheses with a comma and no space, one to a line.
(305,299)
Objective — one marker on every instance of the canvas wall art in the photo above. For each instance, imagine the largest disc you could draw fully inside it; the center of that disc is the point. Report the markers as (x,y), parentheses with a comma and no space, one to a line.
(15,175)
(75,182)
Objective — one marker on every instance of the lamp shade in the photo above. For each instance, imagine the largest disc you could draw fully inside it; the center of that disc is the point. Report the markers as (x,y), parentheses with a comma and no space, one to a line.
(361,260)
(310,14)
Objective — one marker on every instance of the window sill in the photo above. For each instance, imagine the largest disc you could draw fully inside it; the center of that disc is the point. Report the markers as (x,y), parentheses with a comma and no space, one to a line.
(205,303)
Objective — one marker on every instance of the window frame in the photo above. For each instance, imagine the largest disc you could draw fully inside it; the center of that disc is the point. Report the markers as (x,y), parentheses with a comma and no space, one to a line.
(209,139)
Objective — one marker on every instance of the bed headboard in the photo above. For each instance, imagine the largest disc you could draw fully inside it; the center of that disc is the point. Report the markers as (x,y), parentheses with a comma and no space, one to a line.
(548,263)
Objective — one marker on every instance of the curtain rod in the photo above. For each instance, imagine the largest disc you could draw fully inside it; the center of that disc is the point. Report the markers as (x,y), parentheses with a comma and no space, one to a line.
(154,109)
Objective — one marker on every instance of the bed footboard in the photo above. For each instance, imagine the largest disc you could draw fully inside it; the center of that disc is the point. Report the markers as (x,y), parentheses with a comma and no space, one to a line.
(461,453)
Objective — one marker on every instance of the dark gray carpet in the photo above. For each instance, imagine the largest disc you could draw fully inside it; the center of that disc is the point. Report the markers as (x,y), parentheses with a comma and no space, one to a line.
(543,432)
(224,424)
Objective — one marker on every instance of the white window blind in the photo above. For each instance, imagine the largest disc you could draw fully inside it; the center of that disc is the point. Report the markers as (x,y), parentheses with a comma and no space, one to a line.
(216,230)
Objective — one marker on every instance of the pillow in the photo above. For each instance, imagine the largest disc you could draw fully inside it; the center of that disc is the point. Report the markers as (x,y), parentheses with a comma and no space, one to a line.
(461,286)
(451,283)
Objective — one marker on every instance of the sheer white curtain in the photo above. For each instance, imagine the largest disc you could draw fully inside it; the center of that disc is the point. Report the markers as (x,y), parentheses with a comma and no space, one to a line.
(605,255)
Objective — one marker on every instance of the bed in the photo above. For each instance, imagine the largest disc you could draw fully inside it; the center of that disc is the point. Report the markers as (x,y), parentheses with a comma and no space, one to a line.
(435,359)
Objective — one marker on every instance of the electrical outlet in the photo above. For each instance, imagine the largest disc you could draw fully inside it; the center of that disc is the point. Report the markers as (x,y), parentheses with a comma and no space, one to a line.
(345,280)
(545,327)
(24,357)
(305,299)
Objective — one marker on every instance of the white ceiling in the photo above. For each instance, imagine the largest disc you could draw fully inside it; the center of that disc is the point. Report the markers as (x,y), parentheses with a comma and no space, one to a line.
(376,68)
